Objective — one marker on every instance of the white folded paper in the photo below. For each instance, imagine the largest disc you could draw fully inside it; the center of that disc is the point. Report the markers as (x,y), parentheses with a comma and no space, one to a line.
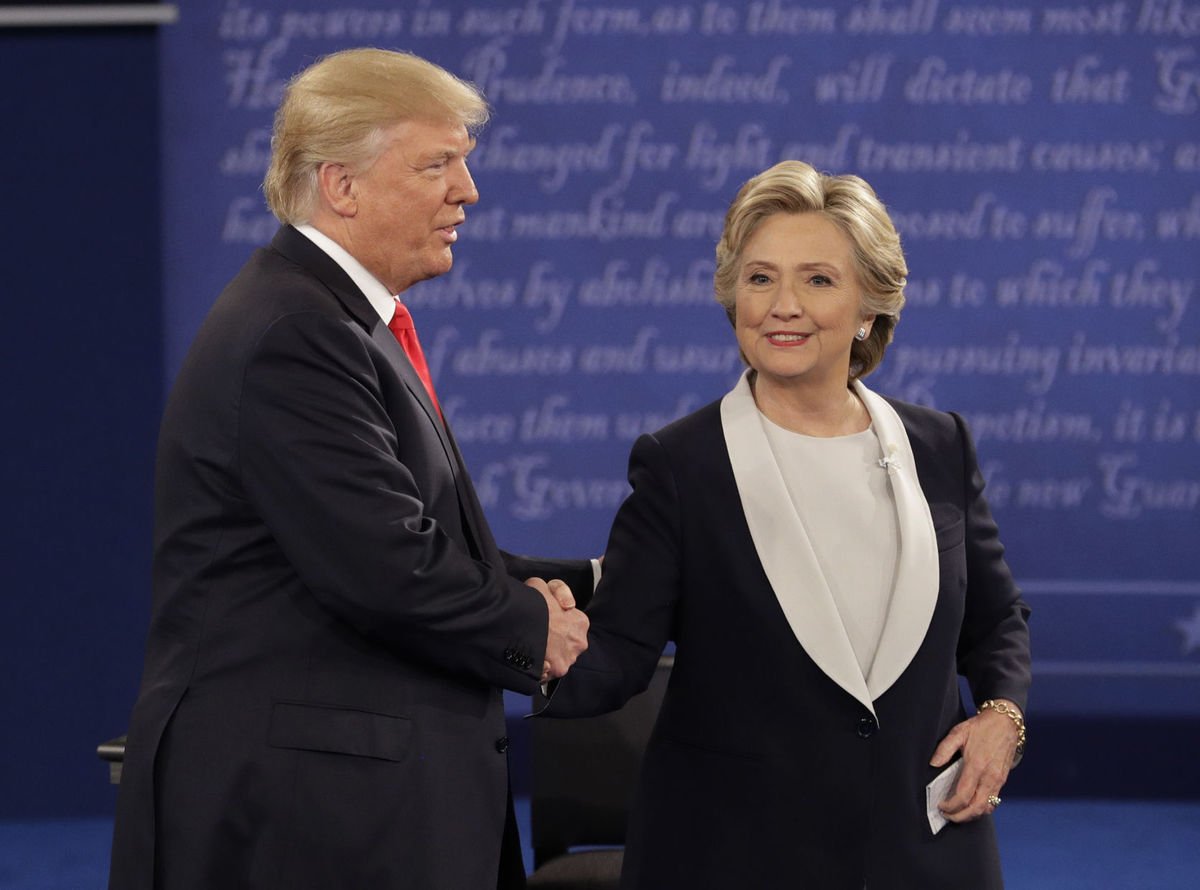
(937,791)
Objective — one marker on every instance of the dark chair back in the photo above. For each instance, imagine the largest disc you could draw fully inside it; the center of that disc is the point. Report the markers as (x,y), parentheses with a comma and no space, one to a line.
(584,774)
(113,753)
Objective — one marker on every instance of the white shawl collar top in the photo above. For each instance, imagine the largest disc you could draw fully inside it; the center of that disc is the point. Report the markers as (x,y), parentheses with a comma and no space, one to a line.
(791,566)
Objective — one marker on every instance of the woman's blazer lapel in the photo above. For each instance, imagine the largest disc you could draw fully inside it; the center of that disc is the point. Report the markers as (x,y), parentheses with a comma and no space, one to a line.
(917,571)
(791,566)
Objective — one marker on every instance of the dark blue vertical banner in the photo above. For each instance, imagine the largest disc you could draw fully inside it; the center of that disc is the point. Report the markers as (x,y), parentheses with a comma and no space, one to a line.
(81,364)
(1042,162)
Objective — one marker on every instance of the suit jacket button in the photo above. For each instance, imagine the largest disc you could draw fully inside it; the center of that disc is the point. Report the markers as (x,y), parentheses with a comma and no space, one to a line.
(502,744)
(866,727)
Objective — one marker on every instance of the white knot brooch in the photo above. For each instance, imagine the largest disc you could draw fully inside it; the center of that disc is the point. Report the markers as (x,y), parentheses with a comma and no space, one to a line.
(889,462)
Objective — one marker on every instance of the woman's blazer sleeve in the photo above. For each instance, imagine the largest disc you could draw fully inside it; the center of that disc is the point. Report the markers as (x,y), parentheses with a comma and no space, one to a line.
(633,610)
(993,647)
(576,573)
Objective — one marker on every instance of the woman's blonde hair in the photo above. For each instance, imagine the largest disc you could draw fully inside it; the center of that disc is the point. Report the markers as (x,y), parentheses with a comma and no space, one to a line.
(338,108)
(852,205)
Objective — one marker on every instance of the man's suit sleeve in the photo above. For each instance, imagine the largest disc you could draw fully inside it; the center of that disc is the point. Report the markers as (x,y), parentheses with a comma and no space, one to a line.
(319,456)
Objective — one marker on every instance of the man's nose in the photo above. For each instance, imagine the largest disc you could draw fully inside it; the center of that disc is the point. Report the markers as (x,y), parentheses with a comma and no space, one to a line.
(464,191)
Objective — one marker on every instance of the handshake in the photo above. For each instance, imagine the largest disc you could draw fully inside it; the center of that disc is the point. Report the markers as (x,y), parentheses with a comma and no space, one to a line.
(567,636)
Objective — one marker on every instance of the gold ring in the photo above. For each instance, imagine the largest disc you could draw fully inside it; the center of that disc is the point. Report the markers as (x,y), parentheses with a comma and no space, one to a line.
(993,800)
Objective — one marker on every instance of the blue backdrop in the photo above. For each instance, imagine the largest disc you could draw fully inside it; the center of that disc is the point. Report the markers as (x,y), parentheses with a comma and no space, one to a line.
(1040,162)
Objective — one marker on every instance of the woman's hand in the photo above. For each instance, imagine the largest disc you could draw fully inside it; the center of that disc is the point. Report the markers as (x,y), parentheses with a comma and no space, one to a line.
(988,742)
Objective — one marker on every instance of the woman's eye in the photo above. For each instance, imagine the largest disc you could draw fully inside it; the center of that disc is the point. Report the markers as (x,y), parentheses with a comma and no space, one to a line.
(823,280)
(759,278)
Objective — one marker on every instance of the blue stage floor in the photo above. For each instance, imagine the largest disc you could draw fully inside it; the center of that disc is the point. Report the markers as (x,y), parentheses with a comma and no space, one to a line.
(1046,845)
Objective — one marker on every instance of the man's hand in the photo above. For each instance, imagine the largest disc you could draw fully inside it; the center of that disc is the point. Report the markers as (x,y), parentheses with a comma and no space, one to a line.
(567,636)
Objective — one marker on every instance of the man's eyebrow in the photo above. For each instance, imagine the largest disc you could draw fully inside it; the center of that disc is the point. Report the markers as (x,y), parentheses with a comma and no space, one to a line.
(450,152)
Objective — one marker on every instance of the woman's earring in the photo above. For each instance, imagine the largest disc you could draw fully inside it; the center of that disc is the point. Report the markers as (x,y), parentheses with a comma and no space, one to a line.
(860,334)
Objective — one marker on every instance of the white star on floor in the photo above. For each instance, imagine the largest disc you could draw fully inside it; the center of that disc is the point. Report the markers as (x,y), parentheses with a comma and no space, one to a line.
(1190,628)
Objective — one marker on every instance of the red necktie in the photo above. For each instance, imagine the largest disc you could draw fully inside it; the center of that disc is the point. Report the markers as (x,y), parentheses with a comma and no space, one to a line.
(402,326)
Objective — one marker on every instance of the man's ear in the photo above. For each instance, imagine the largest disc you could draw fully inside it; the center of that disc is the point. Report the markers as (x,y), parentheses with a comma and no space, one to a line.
(335,182)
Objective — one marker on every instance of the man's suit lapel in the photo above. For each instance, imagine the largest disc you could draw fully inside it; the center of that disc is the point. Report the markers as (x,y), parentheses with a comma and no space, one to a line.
(480,541)
(304,253)
(404,370)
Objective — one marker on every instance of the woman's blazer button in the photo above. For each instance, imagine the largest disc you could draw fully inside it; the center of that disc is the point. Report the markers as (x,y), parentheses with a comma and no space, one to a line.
(867,727)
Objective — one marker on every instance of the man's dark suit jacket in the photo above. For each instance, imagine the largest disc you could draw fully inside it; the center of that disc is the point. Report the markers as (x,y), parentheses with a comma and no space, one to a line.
(762,771)
(332,621)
